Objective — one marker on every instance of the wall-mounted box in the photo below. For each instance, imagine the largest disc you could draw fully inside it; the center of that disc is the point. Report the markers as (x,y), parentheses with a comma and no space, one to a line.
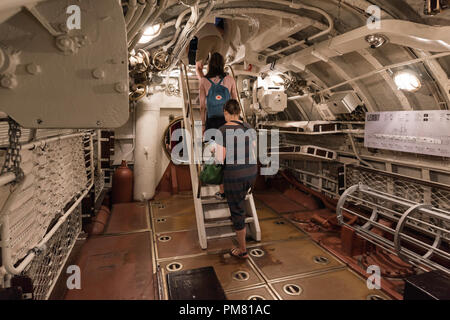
(422,132)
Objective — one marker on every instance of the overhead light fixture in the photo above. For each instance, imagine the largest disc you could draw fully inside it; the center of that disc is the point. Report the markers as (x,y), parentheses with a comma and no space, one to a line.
(150,33)
(407,80)
(277,80)
(376,40)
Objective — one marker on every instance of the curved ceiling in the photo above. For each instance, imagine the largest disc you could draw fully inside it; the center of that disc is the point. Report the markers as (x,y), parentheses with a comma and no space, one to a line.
(283,30)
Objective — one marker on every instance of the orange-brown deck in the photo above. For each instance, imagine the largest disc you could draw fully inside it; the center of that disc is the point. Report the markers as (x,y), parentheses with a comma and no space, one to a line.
(139,237)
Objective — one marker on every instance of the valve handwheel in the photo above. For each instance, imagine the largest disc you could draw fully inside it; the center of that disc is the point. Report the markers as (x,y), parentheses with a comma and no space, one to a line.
(160,60)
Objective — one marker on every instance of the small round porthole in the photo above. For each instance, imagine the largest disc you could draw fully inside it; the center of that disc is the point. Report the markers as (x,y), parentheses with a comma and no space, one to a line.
(255,297)
(292,289)
(241,275)
(165,238)
(321,260)
(257,253)
(161,220)
(174,266)
(375,297)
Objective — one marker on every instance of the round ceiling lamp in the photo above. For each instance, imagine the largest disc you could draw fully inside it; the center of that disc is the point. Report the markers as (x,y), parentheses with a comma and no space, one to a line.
(407,80)
(150,33)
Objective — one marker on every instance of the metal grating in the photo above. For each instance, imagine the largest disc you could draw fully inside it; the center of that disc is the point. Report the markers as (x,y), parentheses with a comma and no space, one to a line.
(45,268)
(54,175)
(416,232)
(41,218)
(408,188)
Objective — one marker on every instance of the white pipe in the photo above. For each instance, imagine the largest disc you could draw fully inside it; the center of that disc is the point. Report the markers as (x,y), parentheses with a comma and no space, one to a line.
(178,28)
(188,28)
(401,33)
(248,10)
(150,19)
(355,151)
(145,152)
(310,8)
(137,15)
(149,8)
(373,72)
(42,142)
(395,65)
(188,33)
(286,3)
(157,43)
(132,6)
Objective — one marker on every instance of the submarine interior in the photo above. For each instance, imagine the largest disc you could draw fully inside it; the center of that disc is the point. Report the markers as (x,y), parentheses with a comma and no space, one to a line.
(102,154)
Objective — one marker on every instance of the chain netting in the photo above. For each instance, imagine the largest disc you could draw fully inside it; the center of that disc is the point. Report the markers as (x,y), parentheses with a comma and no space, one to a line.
(55,175)
(46,267)
(13,156)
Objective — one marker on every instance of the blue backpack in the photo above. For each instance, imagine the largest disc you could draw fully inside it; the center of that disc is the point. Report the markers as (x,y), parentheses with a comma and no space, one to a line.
(217,96)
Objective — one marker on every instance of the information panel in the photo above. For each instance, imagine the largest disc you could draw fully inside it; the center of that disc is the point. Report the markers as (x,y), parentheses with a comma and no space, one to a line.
(423,132)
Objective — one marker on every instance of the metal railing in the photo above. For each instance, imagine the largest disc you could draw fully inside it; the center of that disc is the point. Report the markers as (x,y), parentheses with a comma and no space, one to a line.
(418,233)
(58,174)
(244,116)
(190,126)
(186,90)
(413,189)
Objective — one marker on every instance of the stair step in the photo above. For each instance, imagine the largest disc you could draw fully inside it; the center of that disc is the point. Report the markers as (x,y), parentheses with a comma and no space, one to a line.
(212,200)
(222,232)
(216,211)
(227,222)
(220,236)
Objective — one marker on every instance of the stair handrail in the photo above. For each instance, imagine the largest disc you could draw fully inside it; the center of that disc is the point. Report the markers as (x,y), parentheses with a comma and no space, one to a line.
(239,98)
(190,115)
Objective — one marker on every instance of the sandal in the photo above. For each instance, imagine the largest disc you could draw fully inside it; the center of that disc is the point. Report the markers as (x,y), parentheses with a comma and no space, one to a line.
(236,252)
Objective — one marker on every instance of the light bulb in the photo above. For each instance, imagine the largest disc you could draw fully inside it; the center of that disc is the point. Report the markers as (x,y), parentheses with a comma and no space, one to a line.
(150,33)
(407,80)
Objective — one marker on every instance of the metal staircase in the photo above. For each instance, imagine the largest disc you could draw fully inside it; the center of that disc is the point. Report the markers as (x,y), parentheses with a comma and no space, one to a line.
(212,215)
